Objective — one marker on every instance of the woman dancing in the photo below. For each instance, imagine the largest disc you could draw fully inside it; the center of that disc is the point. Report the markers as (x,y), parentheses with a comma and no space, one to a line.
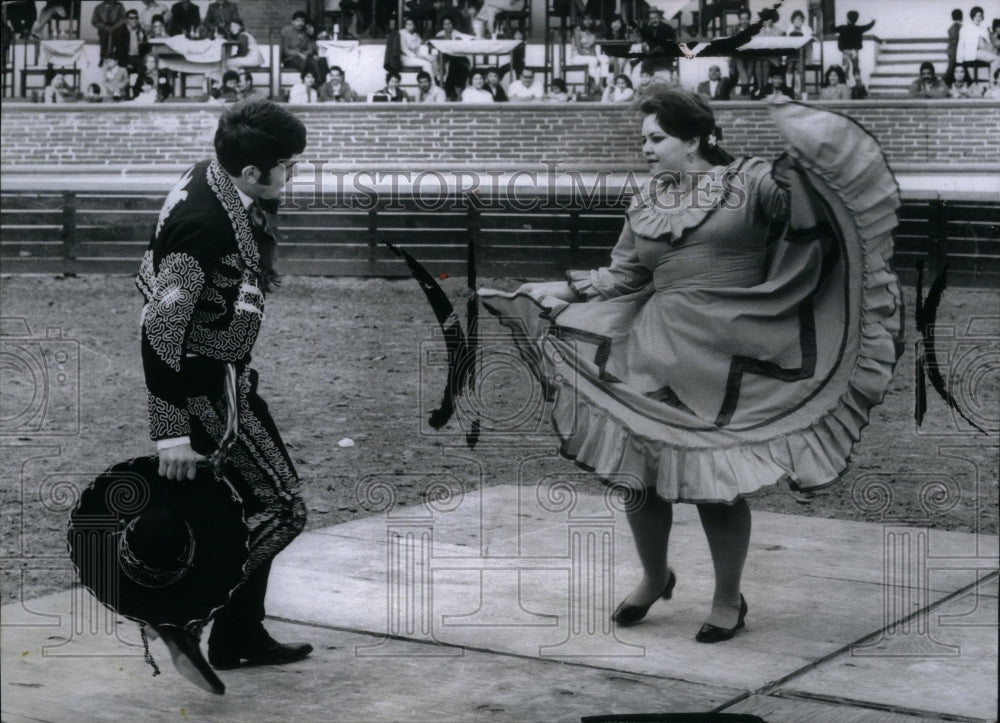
(744,328)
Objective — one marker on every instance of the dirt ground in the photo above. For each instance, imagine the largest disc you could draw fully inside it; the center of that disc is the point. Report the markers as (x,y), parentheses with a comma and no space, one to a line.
(360,360)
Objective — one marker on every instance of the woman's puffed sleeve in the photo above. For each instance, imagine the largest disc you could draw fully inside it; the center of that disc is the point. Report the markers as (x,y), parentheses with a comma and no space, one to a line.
(625,275)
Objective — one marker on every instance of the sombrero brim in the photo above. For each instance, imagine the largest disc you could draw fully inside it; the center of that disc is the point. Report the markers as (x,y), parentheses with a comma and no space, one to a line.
(214,514)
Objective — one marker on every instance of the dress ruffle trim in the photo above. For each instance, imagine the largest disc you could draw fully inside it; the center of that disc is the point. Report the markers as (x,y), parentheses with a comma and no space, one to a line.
(664,212)
(837,152)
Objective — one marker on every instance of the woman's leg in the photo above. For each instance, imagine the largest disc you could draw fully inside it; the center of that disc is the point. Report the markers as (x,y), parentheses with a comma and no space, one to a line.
(727,528)
(650,518)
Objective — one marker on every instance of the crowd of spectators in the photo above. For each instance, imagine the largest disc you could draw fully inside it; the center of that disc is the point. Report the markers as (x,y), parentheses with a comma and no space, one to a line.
(604,48)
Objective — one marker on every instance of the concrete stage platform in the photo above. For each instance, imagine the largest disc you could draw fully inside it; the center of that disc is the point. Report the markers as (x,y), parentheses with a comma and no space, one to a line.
(493,605)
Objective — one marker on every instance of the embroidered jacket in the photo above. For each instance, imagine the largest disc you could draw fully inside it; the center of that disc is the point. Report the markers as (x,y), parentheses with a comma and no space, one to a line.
(202,285)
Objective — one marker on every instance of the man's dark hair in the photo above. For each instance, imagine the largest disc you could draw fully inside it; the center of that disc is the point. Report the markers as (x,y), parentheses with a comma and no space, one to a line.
(393,74)
(257,132)
(299,14)
(423,75)
(230,75)
(335,67)
(155,18)
(852,16)
(956,15)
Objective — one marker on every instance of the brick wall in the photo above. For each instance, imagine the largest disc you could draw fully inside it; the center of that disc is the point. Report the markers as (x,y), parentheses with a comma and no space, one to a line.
(957,133)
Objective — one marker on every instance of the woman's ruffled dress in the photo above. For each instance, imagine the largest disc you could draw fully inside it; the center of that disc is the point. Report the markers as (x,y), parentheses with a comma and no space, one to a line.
(743,330)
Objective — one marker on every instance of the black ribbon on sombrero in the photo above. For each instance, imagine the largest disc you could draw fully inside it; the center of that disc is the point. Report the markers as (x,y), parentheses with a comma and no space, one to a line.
(164,553)
(461,347)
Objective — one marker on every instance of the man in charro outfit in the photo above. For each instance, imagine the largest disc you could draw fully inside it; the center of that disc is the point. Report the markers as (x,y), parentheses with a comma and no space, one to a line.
(204,277)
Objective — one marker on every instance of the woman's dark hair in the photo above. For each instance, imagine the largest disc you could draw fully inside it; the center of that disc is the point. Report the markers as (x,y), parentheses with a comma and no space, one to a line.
(976,9)
(393,74)
(559,84)
(238,21)
(685,115)
(952,78)
(956,15)
(230,75)
(157,18)
(299,14)
(257,132)
(477,71)
(628,81)
(305,72)
(836,70)
(798,14)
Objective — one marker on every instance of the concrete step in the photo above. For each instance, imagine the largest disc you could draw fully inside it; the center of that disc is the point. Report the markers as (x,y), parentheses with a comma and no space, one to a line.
(936,57)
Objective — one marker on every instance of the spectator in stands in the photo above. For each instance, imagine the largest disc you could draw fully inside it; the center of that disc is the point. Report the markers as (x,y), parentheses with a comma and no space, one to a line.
(494,87)
(427,92)
(953,31)
(185,18)
(962,85)
(557,92)
(150,10)
(146,94)
(993,92)
(928,85)
(621,92)
(391,93)
(218,17)
(798,30)
(229,91)
(975,43)
(476,92)
(454,69)
(741,67)
(129,42)
(158,28)
(305,90)
(445,9)
(584,51)
(413,51)
(115,79)
(62,9)
(762,67)
(775,84)
(524,89)
(247,53)
(849,40)
(659,39)
(336,89)
(716,87)
(108,15)
(617,31)
(244,86)
(297,51)
(58,91)
(163,79)
(94,94)
(835,85)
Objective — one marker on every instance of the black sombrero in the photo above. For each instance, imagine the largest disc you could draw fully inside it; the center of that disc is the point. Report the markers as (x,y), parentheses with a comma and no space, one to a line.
(159,551)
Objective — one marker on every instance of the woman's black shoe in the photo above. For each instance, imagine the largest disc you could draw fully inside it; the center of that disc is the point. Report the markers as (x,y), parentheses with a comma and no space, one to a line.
(625,615)
(715,634)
